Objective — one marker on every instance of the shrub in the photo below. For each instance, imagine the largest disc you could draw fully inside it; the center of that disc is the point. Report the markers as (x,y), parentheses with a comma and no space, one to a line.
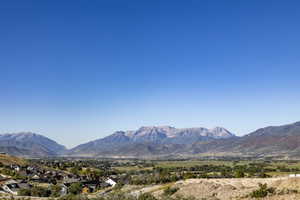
(263,191)
(40,192)
(24,192)
(146,196)
(239,174)
(169,191)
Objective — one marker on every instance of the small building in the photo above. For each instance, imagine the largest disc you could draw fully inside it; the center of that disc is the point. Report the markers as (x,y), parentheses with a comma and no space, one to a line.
(15,168)
(35,178)
(110,182)
(10,186)
(64,190)
(86,190)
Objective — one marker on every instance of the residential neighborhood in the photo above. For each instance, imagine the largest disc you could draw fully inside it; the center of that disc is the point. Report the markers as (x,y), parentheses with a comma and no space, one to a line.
(53,178)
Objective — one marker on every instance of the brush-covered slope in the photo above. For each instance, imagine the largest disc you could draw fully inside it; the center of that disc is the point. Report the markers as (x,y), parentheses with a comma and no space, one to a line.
(11,160)
(269,141)
(272,140)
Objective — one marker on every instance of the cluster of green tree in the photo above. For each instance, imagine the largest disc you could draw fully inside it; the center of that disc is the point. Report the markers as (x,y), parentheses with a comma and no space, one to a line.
(155,178)
(287,169)
(172,174)
(64,164)
(35,191)
(9,172)
(225,169)
(52,191)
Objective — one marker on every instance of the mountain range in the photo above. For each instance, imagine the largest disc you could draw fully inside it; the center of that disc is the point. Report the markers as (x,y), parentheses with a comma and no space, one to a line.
(29,144)
(165,141)
(148,140)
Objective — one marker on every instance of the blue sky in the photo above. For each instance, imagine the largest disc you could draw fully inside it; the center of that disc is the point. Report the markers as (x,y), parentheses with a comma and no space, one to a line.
(78,70)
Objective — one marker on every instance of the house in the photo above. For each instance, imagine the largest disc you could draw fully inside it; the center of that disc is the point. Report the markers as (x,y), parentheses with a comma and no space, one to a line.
(10,186)
(110,182)
(90,186)
(35,178)
(104,185)
(15,168)
(3,177)
(64,190)
(85,190)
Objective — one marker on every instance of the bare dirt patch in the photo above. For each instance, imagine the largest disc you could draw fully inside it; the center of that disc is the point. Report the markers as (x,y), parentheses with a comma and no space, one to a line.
(236,188)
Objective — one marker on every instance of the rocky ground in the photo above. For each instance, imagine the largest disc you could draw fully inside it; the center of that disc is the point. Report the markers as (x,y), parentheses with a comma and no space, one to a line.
(229,189)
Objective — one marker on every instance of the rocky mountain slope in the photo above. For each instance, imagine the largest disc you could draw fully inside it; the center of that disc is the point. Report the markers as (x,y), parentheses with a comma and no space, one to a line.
(149,140)
(29,144)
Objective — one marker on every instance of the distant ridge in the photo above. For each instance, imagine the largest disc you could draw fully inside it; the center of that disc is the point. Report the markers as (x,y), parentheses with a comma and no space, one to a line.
(272,141)
(29,144)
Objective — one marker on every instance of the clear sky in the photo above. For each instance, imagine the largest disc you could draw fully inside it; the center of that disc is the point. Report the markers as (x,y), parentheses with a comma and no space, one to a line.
(77,70)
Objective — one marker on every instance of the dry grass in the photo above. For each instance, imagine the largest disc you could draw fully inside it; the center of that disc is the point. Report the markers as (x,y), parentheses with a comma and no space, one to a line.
(227,189)
(8,160)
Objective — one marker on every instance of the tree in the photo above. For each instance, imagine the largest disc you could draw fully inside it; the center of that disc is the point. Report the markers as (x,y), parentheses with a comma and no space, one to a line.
(75,188)
(24,192)
(75,170)
(239,174)
(40,192)
(55,190)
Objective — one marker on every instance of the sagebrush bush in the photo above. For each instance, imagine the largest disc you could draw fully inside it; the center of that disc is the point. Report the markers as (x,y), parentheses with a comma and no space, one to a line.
(262,191)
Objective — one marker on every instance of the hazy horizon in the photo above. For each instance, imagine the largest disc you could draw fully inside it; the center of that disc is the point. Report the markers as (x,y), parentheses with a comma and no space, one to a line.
(79,71)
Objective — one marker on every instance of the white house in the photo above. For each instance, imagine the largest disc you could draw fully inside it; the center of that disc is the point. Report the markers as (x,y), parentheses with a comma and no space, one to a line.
(110,182)
(64,190)
(10,186)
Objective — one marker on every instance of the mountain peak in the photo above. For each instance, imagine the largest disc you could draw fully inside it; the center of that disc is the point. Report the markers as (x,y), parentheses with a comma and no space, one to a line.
(221,132)
(155,127)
